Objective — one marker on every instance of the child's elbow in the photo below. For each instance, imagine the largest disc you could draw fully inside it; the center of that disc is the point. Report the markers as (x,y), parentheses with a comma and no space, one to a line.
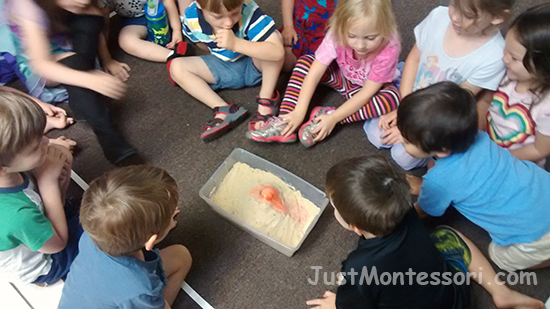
(53,245)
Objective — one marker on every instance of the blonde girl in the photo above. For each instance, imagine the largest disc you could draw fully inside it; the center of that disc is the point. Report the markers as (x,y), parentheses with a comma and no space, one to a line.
(358,58)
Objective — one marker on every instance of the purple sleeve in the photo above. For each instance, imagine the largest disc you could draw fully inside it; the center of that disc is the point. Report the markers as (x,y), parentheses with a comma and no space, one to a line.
(27,9)
(384,65)
(326,53)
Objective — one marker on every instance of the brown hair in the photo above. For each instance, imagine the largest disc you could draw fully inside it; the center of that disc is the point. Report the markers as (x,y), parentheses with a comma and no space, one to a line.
(370,193)
(214,6)
(123,208)
(22,122)
(472,8)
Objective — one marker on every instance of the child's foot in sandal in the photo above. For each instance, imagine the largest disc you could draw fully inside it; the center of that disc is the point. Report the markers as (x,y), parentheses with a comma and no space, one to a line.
(270,108)
(271,132)
(225,118)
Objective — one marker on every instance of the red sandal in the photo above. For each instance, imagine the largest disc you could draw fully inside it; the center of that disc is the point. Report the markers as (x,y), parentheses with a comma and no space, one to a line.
(217,126)
(273,104)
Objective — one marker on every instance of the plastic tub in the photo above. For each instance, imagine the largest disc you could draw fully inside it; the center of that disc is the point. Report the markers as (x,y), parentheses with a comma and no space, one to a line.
(308,191)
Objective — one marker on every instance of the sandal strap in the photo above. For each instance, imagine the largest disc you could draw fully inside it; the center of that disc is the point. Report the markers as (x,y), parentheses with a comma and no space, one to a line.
(212,123)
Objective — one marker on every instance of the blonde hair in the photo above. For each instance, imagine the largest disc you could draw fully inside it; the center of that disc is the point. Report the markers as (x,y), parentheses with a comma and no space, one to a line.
(215,6)
(22,122)
(350,11)
(123,208)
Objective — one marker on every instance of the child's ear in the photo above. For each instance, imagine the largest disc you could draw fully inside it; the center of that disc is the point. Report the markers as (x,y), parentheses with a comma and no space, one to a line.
(151,242)
(500,18)
(441,154)
(356,230)
(3,170)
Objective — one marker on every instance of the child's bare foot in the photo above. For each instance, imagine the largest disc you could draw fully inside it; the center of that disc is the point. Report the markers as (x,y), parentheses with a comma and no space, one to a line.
(64,141)
(57,121)
(512,299)
(415,183)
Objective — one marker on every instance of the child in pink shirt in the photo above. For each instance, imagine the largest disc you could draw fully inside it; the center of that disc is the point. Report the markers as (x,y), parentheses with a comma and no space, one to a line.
(358,58)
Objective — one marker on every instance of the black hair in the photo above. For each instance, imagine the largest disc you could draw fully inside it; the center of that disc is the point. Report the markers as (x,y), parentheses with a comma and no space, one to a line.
(532,30)
(441,117)
(370,193)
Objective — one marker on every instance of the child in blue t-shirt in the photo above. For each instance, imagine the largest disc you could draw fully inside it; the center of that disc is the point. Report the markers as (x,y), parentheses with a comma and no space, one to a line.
(507,197)
(124,214)
(460,43)
(245,49)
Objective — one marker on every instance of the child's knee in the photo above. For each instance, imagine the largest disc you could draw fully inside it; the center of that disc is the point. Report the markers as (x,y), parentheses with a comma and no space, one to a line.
(404,159)
(373,133)
(184,256)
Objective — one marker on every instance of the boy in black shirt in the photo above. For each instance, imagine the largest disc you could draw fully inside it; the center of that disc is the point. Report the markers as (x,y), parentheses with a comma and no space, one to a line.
(396,264)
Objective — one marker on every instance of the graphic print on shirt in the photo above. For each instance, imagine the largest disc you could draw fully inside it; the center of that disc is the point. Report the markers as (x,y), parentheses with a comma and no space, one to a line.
(520,121)
(430,73)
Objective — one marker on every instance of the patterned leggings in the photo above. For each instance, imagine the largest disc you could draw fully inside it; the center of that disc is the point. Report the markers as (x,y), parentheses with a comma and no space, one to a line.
(386,100)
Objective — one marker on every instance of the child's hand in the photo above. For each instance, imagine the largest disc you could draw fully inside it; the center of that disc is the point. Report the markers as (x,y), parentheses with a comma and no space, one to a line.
(293,120)
(51,170)
(391,136)
(64,142)
(325,125)
(388,120)
(327,302)
(176,38)
(290,37)
(225,38)
(118,69)
(107,85)
(173,222)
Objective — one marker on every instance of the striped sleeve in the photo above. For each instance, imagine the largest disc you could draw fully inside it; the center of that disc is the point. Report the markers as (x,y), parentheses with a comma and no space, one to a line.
(190,22)
(259,25)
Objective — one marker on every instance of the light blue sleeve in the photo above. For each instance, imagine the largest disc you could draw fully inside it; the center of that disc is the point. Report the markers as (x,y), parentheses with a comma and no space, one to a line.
(434,198)
(144,302)
(491,68)
(423,32)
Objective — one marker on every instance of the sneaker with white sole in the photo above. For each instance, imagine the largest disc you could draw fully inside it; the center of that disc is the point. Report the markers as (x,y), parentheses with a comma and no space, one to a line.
(305,135)
(271,131)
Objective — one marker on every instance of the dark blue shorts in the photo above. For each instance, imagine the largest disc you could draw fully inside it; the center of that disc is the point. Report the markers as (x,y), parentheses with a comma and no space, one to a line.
(62,260)
(134,21)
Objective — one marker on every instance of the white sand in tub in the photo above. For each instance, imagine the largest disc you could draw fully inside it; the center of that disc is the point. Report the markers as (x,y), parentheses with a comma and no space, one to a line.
(233,195)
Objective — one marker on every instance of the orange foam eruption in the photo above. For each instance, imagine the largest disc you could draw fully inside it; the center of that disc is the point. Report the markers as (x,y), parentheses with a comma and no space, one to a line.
(271,195)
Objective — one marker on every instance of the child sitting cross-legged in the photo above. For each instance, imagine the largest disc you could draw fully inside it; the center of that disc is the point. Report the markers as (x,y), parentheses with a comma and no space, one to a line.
(245,49)
(371,198)
(124,214)
(39,232)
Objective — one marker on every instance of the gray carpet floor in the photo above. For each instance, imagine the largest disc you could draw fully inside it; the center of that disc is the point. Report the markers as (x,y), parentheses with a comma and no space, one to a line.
(231,269)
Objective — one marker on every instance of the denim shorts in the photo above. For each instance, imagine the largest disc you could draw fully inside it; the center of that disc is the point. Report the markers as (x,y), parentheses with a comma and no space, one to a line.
(232,75)
(133,21)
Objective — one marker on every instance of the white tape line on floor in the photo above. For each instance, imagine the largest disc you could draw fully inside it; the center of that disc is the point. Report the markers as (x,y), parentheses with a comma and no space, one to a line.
(185,287)
(195,296)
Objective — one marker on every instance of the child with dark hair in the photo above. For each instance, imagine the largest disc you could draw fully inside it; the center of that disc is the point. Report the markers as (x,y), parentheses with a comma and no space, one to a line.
(502,194)
(371,198)
(124,214)
(524,90)
(460,43)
